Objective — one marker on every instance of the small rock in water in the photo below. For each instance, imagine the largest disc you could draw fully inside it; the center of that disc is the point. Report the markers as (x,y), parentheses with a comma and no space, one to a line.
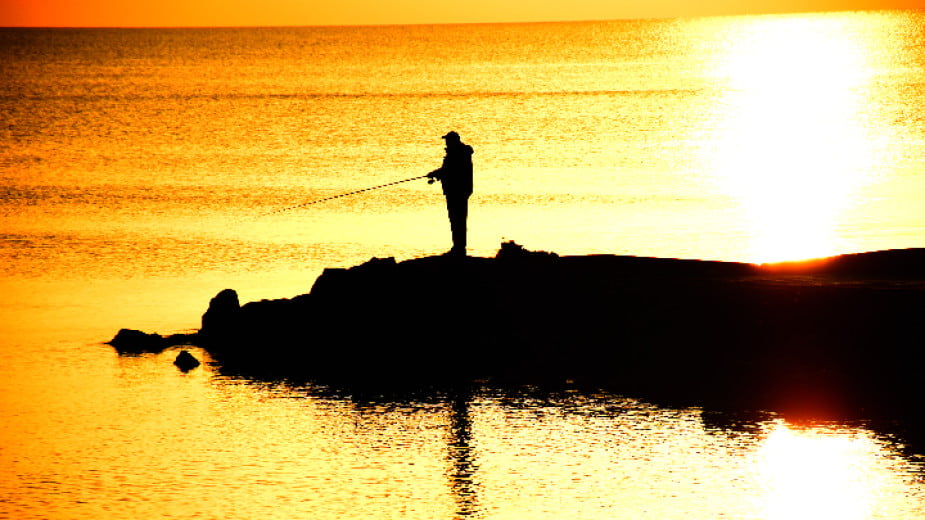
(186,361)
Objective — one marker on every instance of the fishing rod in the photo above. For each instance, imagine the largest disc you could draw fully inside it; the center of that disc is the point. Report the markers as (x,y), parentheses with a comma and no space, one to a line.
(309,203)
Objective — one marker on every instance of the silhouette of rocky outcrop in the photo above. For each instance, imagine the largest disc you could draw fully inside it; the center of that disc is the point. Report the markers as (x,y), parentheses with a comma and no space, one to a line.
(130,341)
(837,335)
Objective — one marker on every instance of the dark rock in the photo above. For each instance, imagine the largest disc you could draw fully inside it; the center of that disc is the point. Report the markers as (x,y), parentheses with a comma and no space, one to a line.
(374,265)
(186,361)
(130,341)
(511,250)
(219,323)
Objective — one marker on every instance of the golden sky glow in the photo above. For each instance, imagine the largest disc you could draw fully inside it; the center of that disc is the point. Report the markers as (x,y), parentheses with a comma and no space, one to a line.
(160,13)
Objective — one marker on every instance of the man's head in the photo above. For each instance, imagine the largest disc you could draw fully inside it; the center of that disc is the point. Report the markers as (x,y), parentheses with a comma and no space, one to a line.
(451,137)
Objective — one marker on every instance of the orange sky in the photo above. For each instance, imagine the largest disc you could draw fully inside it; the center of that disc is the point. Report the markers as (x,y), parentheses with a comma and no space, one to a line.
(158,13)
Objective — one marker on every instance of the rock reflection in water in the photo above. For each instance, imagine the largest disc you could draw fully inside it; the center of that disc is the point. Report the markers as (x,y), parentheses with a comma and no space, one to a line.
(532,453)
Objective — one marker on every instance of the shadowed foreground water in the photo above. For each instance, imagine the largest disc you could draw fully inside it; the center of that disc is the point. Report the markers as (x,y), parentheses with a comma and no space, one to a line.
(134,436)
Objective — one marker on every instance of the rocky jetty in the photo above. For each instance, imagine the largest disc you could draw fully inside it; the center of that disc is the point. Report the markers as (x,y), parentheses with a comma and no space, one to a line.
(839,334)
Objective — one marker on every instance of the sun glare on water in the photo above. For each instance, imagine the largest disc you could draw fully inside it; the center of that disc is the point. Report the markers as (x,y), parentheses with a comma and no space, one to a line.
(809,475)
(791,146)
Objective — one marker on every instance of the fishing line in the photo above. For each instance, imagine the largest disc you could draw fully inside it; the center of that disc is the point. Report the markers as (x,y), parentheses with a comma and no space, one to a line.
(317,201)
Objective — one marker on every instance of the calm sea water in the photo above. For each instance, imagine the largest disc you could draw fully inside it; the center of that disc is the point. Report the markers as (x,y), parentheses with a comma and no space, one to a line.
(141,172)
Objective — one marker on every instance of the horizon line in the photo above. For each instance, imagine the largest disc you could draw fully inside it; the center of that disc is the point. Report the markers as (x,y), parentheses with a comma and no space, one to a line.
(424,24)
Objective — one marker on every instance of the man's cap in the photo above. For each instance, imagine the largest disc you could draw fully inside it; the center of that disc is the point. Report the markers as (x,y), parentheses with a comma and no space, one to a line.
(451,136)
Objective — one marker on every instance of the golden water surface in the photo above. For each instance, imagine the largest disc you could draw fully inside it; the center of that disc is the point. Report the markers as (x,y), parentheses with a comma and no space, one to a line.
(136,165)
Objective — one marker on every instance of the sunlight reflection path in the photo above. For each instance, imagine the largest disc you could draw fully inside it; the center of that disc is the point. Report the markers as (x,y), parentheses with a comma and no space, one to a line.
(808,475)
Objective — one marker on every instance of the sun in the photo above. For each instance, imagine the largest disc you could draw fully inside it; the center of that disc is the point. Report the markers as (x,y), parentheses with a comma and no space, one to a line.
(791,147)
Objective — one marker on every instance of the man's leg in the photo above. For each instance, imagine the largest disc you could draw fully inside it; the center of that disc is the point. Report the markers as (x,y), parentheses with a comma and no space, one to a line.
(458,209)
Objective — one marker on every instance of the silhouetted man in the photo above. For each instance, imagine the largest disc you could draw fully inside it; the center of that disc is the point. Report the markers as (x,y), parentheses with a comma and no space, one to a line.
(456,177)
